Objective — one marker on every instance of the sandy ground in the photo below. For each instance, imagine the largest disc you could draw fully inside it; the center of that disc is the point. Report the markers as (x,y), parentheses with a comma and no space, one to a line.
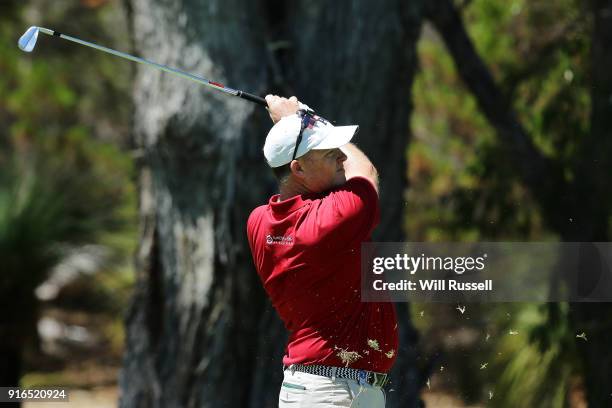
(100,397)
(444,400)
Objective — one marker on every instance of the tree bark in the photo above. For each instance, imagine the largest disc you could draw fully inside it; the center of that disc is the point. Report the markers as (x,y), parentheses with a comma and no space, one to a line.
(200,332)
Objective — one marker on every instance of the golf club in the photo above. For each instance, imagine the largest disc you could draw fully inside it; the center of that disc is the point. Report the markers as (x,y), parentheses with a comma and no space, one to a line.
(28,41)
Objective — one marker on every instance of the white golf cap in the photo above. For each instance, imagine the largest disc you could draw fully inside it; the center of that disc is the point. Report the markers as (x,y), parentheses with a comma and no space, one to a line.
(319,135)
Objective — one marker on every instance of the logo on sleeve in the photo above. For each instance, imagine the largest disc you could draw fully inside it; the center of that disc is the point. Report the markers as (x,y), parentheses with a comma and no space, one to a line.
(279,240)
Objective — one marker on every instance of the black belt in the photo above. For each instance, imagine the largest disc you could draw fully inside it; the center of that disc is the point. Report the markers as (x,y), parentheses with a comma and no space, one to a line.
(370,377)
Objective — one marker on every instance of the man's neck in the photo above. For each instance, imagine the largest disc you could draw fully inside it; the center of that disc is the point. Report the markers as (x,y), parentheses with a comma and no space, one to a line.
(290,189)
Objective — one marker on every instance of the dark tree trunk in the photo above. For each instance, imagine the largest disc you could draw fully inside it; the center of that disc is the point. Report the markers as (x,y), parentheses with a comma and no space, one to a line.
(17,329)
(10,365)
(594,201)
(11,361)
(200,332)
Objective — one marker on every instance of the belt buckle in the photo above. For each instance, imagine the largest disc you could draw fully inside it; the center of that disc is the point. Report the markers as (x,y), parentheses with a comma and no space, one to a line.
(363,377)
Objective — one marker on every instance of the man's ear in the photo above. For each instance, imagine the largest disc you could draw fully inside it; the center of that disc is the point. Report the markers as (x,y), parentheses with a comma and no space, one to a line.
(296,169)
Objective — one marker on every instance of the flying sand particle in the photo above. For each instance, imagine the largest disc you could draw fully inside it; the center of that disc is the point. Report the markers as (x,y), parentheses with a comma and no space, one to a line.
(374,344)
(347,357)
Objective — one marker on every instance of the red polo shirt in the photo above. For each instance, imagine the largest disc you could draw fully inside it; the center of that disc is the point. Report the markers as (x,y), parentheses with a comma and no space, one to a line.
(307,253)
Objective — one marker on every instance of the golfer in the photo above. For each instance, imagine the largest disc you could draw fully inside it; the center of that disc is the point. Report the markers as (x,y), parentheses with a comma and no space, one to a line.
(306,245)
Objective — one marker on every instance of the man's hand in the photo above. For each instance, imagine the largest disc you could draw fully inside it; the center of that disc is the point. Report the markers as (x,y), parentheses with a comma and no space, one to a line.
(280,107)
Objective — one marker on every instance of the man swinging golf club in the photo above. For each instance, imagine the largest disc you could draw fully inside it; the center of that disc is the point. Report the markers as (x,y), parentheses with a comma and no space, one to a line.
(306,245)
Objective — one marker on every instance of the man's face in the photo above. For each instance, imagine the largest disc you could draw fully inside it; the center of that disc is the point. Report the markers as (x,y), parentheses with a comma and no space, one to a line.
(323,169)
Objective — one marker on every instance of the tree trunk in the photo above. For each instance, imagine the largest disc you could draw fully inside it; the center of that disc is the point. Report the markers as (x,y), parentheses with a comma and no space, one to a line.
(200,332)
(10,365)
(594,201)
(17,328)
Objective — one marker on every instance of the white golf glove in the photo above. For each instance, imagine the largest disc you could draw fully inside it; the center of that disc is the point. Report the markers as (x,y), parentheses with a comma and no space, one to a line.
(305,107)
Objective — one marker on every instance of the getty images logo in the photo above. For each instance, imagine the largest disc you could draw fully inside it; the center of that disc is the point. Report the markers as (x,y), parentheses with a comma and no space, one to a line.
(279,240)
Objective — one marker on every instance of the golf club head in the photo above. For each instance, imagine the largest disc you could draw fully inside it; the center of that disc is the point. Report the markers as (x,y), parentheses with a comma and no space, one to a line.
(28,39)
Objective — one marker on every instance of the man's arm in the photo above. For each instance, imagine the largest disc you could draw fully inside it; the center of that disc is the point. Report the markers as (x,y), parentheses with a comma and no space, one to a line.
(358,164)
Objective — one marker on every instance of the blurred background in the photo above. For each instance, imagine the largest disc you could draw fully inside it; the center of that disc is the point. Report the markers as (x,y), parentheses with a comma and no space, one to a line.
(67,201)
(69,171)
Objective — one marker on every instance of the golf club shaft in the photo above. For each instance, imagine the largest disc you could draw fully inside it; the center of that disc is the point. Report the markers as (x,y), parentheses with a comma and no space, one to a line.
(200,80)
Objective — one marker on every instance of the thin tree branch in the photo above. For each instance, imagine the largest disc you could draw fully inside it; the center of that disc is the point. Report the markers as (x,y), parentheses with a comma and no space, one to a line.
(532,166)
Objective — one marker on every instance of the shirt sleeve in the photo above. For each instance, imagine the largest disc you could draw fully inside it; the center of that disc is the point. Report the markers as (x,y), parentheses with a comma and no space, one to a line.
(350,212)
(253,223)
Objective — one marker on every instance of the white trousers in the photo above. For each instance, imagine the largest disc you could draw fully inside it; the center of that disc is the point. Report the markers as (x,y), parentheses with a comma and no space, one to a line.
(303,390)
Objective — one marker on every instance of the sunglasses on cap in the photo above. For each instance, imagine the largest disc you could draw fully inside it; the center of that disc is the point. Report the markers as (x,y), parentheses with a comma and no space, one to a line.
(309,119)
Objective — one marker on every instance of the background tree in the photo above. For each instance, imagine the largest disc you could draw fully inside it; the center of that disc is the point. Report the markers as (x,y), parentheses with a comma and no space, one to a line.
(200,332)
(554,138)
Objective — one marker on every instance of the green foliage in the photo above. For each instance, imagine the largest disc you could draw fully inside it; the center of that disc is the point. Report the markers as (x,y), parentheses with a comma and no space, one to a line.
(52,198)
(538,366)
(464,187)
(462,184)
(65,180)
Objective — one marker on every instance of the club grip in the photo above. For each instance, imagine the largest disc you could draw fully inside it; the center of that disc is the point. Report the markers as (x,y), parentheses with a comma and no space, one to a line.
(253,98)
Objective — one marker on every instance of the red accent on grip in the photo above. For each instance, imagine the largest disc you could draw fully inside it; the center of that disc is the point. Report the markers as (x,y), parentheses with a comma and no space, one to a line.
(216,84)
